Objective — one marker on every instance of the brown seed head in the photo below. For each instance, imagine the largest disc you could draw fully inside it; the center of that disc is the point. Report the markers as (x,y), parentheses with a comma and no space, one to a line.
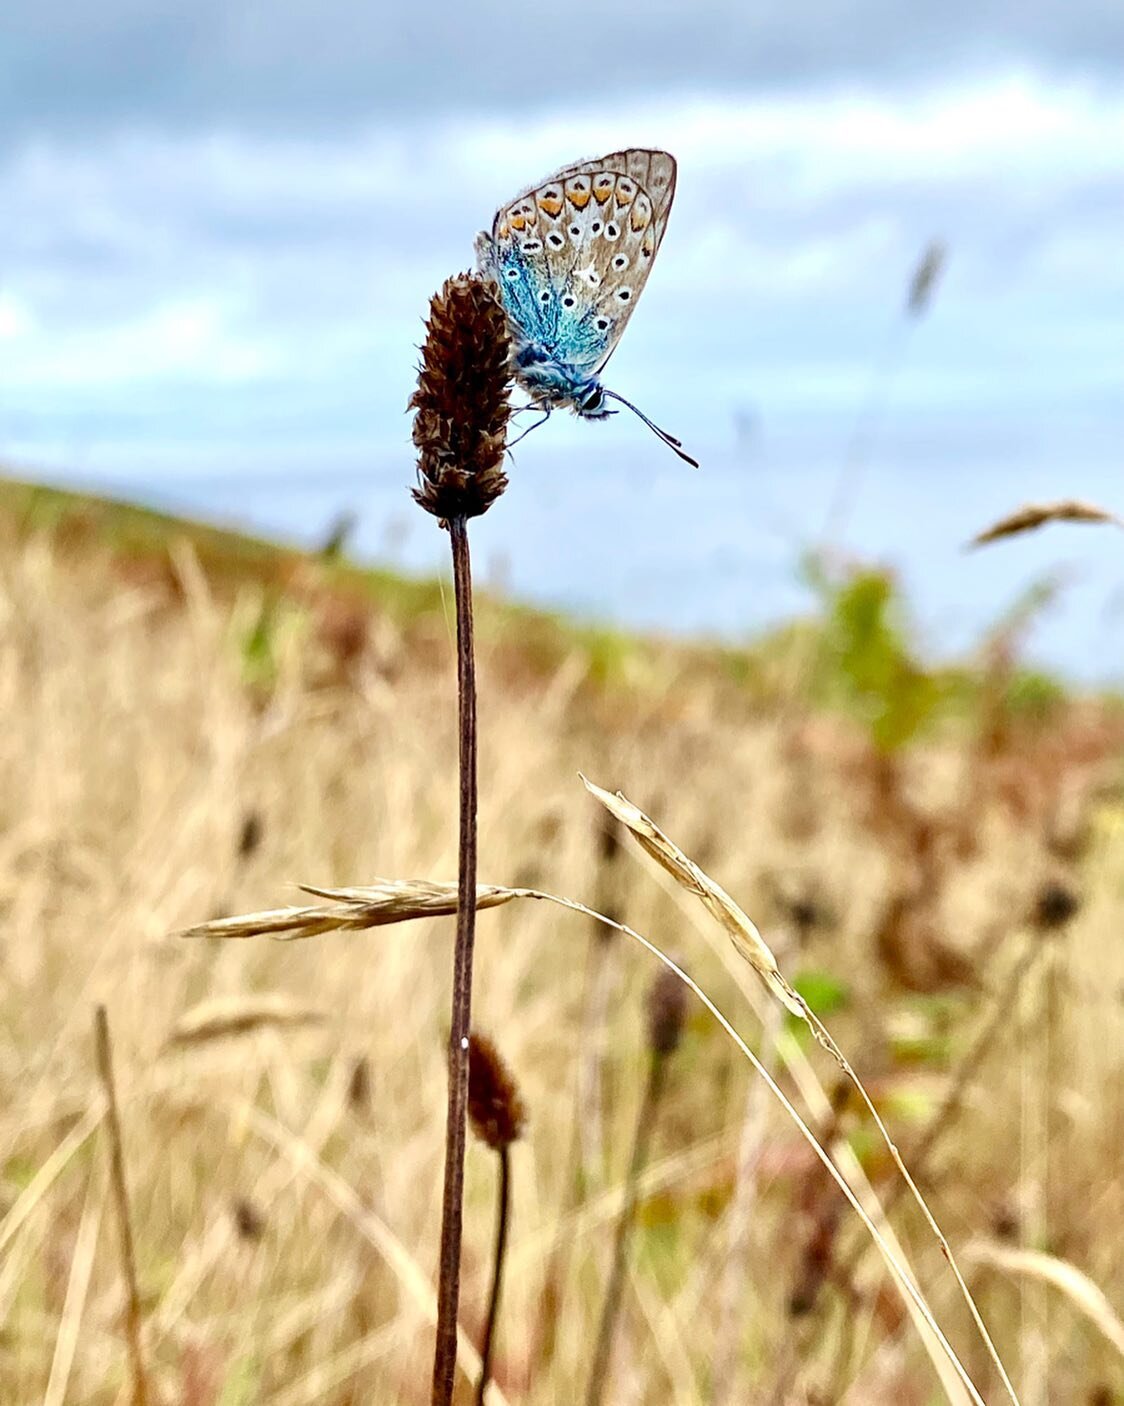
(667,1010)
(248,1220)
(1054,906)
(495,1109)
(461,403)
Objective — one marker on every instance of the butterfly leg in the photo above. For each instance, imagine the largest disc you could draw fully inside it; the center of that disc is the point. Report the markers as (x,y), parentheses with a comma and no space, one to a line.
(543,418)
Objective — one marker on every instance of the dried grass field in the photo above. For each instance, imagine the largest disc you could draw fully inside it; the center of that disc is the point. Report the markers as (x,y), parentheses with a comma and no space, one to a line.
(189,732)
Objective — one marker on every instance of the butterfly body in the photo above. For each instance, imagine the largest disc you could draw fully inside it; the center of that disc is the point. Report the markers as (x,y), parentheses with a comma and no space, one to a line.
(570,257)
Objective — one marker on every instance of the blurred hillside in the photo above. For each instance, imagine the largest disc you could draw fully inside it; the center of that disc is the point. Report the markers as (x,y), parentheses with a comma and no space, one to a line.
(194,722)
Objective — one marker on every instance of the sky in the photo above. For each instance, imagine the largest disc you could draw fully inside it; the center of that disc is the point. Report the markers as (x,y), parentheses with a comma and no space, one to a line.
(220,225)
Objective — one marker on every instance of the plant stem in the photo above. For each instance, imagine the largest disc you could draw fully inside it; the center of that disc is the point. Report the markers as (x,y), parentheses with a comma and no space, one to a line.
(448,1290)
(653,1091)
(502,1215)
(104,1056)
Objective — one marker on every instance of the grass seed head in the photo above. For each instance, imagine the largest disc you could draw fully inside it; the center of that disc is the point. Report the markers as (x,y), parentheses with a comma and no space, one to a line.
(667,1012)
(495,1108)
(461,406)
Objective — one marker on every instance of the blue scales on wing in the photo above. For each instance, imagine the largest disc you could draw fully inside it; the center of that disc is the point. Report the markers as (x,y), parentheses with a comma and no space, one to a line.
(571,255)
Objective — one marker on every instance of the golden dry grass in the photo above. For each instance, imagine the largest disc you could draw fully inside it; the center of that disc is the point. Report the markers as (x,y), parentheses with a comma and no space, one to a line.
(284,1175)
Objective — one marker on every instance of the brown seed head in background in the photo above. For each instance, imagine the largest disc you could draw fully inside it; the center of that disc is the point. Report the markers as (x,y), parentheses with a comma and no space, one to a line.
(667,1010)
(461,403)
(1054,906)
(495,1109)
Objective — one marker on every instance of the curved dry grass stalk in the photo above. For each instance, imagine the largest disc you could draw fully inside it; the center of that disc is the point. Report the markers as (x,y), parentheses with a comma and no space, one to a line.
(752,946)
(220,1016)
(336,1370)
(351,909)
(77,1289)
(1034,515)
(1086,1296)
(372,905)
(743,931)
(47,1174)
(415,1283)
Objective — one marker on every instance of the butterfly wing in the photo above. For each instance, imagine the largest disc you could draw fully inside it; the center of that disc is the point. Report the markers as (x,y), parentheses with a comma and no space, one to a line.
(573,253)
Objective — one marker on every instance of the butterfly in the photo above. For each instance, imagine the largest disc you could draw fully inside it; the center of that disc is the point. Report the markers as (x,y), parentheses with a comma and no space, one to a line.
(570,257)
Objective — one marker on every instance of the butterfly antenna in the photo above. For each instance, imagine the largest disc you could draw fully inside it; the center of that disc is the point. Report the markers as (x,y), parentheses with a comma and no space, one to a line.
(668,439)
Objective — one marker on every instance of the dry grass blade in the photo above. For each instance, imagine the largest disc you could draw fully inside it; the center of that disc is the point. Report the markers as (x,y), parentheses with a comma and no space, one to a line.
(376,905)
(752,946)
(1085,1296)
(239,1015)
(1035,515)
(366,907)
(743,931)
(103,1055)
(77,1290)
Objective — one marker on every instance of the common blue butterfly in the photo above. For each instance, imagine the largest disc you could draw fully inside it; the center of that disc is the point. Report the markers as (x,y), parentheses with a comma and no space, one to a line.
(571,256)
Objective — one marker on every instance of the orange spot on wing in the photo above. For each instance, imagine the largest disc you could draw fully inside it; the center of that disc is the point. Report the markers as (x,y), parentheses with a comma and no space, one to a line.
(550,204)
(504,231)
(518,222)
(579,199)
(625,194)
(639,218)
(602,192)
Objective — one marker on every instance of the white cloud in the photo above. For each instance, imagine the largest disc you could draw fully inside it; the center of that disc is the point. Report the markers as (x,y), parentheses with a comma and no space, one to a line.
(300,268)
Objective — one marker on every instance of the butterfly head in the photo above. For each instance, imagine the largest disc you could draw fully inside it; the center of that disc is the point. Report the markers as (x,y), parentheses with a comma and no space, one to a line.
(555,383)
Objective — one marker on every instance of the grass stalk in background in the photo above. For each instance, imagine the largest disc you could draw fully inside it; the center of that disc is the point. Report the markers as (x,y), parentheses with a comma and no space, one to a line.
(103,1053)
(460,429)
(666,1013)
(497,1115)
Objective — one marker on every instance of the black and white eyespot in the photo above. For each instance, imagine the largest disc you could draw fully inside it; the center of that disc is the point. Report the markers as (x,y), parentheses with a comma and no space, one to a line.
(623,294)
(569,300)
(575,231)
(512,272)
(555,240)
(612,231)
(595,227)
(602,324)
(531,246)
(620,262)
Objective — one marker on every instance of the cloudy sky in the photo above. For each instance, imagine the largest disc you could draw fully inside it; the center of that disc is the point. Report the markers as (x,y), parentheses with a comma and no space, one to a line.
(220,223)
